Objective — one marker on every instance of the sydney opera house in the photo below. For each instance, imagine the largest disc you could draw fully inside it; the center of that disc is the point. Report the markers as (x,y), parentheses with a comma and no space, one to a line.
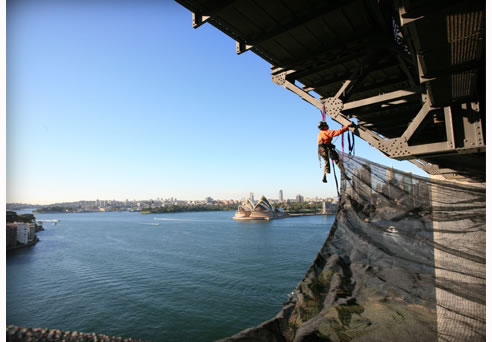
(262,210)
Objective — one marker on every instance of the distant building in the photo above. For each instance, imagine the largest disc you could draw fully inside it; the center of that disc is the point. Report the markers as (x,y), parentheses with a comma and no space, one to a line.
(281,195)
(11,235)
(31,234)
(251,197)
(262,210)
(209,199)
(22,232)
(299,199)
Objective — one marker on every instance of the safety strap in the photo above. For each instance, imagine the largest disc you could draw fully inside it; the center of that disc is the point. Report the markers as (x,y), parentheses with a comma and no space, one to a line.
(335,175)
(351,144)
(323,114)
(343,145)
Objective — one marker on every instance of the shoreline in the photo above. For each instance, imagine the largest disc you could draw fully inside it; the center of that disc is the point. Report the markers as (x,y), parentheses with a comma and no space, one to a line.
(29,244)
(279,217)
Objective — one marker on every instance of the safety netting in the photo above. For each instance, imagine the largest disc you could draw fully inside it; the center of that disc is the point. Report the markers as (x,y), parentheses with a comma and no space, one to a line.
(404,261)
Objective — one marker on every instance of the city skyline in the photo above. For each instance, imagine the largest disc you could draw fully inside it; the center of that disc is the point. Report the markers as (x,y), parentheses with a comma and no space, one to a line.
(138,104)
(250,196)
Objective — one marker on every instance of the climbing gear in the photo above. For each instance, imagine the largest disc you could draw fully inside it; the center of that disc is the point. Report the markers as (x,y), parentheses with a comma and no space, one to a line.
(351,144)
(343,145)
(335,175)
(323,113)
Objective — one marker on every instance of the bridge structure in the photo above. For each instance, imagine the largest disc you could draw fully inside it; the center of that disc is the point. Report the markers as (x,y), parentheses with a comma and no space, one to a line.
(411,73)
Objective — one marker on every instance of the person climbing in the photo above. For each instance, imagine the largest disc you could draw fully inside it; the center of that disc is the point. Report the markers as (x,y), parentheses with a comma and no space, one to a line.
(326,149)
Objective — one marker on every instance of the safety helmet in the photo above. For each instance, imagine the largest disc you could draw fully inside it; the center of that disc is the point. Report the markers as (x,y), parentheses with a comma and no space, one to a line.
(322,124)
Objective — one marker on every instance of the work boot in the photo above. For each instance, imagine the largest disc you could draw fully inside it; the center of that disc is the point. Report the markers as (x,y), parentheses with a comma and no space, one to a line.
(324,178)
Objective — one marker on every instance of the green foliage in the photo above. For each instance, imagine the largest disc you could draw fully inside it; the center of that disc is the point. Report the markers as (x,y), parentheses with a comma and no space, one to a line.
(13,217)
(28,218)
(299,207)
(183,208)
(53,209)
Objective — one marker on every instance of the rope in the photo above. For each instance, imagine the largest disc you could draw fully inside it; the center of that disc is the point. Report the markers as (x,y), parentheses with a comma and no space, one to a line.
(343,144)
(351,144)
(335,175)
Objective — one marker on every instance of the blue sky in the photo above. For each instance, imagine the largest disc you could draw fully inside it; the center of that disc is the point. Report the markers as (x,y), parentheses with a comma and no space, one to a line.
(122,100)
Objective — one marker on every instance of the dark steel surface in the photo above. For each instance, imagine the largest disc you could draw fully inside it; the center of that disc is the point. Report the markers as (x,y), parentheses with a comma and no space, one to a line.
(435,49)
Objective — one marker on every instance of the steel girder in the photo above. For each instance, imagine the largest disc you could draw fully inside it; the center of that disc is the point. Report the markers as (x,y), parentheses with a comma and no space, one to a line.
(426,93)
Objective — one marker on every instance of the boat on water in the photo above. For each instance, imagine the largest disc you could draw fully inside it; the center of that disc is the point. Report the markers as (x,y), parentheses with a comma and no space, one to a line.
(55,221)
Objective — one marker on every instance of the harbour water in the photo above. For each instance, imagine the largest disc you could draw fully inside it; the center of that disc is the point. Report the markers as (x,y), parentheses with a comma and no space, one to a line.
(169,277)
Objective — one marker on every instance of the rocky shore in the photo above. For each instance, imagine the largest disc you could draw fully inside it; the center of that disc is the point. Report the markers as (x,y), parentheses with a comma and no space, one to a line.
(17,334)
(20,245)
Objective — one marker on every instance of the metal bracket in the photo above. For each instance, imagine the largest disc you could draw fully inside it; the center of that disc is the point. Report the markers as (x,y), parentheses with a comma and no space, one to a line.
(404,20)
(242,47)
(427,167)
(199,20)
(333,106)
(279,79)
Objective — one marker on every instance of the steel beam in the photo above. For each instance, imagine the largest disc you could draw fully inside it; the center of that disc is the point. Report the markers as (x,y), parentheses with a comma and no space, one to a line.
(404,19)
(416,122)
(398,149)
(448,120)
(380,99)
(343,88)
(366,134)
(393,83)
(469,135)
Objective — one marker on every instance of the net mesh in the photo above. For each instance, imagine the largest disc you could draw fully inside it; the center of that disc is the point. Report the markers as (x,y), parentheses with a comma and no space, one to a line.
(404,260)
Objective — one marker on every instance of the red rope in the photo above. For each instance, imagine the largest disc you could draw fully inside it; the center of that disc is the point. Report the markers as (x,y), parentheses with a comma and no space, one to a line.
(323,113)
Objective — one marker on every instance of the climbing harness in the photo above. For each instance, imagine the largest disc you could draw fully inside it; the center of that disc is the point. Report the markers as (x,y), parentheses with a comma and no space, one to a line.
(351,149)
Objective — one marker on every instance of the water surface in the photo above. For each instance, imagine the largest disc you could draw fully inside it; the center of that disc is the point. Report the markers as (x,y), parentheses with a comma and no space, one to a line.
(167,277)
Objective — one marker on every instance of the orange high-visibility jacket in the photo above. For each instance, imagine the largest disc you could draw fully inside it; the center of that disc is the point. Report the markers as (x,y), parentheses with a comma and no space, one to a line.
(325,137)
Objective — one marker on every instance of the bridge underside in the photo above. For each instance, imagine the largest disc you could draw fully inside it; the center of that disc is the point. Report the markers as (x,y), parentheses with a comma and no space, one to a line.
(411,72)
